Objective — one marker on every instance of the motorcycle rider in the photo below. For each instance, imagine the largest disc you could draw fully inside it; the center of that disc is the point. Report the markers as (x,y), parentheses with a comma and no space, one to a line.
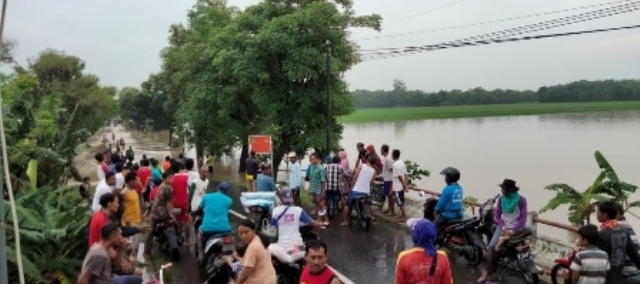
(287,217)
(449,205)
(511,219)
(161,210)
(216,206)
(364,177)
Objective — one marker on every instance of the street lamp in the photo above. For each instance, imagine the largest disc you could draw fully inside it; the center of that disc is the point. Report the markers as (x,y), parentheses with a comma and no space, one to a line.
(328,45)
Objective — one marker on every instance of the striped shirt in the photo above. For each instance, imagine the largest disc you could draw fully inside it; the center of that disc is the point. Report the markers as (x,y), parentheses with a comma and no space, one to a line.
(592,263)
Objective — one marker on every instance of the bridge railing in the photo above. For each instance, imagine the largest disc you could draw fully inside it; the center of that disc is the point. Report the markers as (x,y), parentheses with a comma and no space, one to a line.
(545,248)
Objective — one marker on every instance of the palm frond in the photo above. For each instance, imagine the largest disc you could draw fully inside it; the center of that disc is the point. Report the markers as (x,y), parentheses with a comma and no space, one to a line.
(606,167)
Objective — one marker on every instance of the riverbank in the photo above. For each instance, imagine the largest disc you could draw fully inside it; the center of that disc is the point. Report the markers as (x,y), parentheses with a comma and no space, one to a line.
(465,111)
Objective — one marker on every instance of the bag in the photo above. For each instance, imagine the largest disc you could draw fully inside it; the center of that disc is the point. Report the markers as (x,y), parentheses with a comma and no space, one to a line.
(272,231)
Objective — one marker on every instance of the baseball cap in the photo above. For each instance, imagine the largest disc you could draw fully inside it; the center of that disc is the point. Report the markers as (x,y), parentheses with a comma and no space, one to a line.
(223,186)
(286,195)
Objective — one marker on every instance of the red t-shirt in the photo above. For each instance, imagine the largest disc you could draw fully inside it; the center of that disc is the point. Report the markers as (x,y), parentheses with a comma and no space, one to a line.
(180,190)
(324,277)
(98,220)
(153,193)
(144,174)
(413,267)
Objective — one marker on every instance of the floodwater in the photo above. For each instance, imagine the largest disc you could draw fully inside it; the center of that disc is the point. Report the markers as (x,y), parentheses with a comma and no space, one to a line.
(534,150)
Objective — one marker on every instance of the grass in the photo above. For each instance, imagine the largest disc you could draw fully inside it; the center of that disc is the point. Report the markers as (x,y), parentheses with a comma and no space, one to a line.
(420,113)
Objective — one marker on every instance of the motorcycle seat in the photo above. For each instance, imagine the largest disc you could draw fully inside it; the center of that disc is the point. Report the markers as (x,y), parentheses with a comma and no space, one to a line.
(515,239)
(454,221)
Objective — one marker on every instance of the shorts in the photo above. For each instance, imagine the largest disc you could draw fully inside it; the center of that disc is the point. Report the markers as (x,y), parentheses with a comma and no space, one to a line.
(335,194)
(353,196)
(296,192)
(387,188)
(399,197)
(250,177)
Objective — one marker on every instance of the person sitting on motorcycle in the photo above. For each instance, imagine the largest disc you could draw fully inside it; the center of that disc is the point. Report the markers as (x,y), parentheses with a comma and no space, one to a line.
(364,178)
(215,206)
(511,219)
(287,217)
(449,206)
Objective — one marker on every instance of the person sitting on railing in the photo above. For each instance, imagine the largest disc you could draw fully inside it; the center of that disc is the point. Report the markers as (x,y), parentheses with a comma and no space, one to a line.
(511,218)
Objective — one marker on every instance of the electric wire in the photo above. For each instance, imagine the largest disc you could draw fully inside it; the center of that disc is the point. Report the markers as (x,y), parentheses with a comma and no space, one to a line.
(583,17)
(490,22)
(505,40)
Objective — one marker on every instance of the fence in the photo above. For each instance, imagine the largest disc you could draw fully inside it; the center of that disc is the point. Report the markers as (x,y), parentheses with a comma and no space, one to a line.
(545,248)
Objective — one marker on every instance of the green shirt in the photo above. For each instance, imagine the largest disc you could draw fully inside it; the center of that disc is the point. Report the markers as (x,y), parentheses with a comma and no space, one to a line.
(316,178)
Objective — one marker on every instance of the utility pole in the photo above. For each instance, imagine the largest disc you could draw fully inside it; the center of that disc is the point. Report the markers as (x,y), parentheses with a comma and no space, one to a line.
(4,273)
(328,44)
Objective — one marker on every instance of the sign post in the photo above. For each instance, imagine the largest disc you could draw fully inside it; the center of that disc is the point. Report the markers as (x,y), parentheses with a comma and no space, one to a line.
(262,145)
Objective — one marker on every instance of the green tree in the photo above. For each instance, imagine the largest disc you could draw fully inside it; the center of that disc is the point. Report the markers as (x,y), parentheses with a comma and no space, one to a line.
(606,186)
(263,71)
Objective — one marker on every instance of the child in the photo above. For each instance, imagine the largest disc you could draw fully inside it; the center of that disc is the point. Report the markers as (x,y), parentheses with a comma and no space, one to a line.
(590,264)
(236,265)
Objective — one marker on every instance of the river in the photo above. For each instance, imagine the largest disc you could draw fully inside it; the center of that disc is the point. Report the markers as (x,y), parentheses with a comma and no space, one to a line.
(534,150)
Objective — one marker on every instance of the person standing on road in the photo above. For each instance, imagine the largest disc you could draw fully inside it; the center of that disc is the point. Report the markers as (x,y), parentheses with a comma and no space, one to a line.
(362,152)
(317,186)
(387,175)
(102,168)
(423,263)
(200,186)
(180,188)
(162,208)
(251,170)
(317,271)
(295,177)
(256,263)
(399,183)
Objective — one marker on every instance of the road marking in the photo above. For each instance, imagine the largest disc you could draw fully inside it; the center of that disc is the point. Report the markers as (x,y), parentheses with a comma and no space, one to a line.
(343,278)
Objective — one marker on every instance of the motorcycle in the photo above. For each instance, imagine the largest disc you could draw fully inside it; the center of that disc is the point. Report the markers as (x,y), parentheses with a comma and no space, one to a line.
(361,212)
(170,238)
(516,255)
(289,273)
(214,269)
(460,235)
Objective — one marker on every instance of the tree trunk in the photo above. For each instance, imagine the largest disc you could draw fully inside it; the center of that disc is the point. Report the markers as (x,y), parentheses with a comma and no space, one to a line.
(170,135)
(278,153)
(243,157)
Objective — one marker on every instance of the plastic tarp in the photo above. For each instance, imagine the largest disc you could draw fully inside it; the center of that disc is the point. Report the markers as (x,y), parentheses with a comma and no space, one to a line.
(267,200)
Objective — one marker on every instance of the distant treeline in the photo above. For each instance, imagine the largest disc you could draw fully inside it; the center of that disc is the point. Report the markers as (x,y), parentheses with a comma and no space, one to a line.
(580,91)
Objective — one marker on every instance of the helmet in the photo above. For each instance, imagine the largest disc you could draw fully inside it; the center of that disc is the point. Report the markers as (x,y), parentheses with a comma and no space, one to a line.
(451,174)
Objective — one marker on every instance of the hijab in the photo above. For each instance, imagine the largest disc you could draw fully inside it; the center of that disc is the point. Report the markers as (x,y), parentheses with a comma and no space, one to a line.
(423,234)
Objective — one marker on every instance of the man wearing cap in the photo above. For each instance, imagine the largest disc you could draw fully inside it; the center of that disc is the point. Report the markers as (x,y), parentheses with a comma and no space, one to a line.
(423,263)
(295,177)
(216,206)
(287,217)
(264,181)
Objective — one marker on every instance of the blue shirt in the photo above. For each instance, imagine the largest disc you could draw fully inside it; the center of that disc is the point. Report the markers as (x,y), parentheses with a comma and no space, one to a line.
(265,183)
(450,203)
(295,175)
(156,174)
(216,208)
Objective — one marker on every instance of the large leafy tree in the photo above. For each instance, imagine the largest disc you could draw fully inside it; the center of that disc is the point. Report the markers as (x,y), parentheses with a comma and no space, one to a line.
(263,71)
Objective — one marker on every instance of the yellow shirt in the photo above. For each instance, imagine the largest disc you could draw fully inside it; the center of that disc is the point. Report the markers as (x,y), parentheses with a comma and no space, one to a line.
(131,207)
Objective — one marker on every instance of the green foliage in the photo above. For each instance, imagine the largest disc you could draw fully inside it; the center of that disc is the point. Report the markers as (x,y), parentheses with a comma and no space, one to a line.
(52,227)
(469,198)
(580,91)
(415,172)
(262,70)
(146,107)
(606,186)
(51,108)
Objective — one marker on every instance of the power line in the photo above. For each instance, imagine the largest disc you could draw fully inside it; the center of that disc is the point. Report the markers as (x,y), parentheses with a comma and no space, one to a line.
(503,40)
(424,13)
(490,22)
(583,17)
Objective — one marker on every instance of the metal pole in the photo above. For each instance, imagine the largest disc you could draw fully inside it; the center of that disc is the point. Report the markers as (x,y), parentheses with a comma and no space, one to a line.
(5,162)
(328,44)
(4,272)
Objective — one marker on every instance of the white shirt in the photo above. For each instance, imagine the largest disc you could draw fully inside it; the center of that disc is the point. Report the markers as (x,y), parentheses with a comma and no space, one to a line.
(102,189)
(119,180)
(201,189)
(100,172)
(387,168)
(192,177)
(363,183)
(288,226)
(399,171)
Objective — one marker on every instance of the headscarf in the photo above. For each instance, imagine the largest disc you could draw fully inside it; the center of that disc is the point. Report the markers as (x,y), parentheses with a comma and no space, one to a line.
(344,161)
(423,234)
(510,201)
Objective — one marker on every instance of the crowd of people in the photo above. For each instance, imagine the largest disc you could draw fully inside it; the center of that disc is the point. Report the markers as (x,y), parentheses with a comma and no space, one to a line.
(131,195)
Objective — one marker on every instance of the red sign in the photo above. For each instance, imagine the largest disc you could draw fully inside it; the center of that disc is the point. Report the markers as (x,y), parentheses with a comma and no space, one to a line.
(261,144)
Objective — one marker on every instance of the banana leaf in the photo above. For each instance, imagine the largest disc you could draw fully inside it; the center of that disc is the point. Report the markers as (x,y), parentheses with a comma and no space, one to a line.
(32,173)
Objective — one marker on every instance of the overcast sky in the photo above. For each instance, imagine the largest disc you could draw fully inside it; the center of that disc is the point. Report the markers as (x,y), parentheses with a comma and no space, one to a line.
(120,41)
